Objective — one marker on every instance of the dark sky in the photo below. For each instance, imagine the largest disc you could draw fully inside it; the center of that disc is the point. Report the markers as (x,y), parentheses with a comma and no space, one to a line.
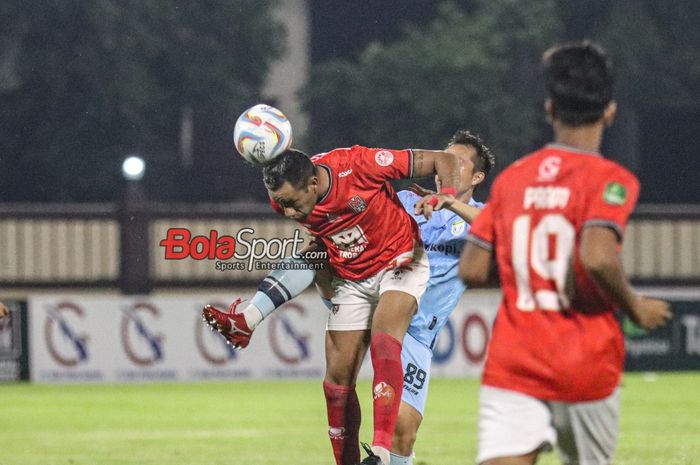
(342,28)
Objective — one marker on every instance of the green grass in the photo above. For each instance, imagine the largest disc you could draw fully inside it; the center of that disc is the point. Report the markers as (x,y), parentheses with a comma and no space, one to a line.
(274,423)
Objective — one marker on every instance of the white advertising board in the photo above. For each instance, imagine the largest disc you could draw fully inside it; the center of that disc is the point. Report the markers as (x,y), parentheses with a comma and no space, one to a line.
(134,339)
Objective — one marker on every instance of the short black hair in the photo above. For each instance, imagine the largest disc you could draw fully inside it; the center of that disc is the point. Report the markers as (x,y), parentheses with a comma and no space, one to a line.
(485,160)
(579,81)
(292,166)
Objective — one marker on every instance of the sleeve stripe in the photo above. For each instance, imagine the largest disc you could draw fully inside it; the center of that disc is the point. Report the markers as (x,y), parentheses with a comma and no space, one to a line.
(607,224)
(410,163)
(480,242)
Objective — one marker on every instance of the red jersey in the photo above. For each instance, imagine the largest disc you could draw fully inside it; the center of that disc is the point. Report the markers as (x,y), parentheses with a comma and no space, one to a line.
(360,219)
(555,336)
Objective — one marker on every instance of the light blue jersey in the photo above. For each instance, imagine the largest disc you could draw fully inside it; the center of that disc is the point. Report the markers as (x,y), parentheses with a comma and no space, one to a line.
(443,237)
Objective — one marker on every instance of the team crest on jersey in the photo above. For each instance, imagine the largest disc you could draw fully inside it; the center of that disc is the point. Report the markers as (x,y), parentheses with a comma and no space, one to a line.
(384,158)
(549,169)
(457,227)
(615,193)
(357,204)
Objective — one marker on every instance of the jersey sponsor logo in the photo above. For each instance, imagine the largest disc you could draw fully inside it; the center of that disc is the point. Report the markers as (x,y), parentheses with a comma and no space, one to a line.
(448,249)
(384,158)
(549,169)
(546,198)
(342,174)
(357,204)
(457,227)
(615,193)
(350,240)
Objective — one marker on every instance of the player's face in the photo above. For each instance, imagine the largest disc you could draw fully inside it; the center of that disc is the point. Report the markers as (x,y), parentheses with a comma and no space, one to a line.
(466,154)
(296,203)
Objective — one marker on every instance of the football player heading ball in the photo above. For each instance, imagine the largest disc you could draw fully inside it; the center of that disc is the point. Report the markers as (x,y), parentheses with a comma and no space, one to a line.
(381,269)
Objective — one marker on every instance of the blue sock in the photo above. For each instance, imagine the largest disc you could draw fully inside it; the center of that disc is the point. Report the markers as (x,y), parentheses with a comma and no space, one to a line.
(401,460)
(283,284)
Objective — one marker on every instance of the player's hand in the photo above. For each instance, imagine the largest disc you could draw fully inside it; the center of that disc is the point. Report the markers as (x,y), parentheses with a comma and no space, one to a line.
(3,310)
(651,313)
(420,190)
(432,202)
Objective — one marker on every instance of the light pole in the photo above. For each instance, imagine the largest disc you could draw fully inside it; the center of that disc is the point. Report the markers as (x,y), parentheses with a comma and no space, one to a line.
(135,247)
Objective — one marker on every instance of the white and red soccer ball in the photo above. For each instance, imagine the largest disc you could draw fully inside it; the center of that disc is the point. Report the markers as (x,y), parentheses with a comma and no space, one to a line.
(262,133)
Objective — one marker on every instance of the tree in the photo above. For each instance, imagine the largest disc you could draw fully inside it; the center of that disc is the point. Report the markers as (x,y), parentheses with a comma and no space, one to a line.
(85,83)
(653,47)
(473,69)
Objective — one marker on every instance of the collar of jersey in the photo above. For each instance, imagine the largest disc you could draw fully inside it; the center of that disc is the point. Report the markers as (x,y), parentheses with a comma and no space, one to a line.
(568,148)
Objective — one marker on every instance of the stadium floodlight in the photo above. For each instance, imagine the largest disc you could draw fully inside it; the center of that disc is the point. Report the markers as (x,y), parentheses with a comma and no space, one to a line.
(133,168)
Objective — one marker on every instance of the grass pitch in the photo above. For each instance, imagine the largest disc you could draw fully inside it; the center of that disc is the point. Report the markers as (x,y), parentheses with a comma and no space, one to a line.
(275,423)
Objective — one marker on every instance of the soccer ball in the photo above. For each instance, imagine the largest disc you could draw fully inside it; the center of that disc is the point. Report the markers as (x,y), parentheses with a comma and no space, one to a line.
(261,133)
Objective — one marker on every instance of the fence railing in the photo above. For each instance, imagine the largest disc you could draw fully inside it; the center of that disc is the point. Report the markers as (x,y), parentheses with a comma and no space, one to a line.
(104,245)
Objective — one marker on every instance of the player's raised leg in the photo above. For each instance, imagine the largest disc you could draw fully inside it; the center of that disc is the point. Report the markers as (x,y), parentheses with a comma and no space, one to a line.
(278,287)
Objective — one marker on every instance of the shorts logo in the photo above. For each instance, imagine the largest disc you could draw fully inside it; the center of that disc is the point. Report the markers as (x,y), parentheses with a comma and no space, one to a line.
(615,193)
(457,227)
(357,204)
(384,394)
(397,274)
(549,169)
(384,158)
(335,309)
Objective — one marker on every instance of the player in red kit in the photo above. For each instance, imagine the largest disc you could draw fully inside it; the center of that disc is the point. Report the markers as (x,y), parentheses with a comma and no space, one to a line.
(380,271)
(555,221)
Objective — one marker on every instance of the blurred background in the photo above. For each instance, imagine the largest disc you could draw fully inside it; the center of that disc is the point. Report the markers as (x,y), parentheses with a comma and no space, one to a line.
(86,85)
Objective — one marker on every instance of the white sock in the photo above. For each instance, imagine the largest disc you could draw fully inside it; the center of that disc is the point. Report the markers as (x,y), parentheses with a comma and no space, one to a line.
(401,460)
(252,316)
(383,454)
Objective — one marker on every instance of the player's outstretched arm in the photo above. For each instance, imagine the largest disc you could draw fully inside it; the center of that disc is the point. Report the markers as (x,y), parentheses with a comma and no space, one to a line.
(431,162)
(465,211)
(600,258)
(443,164)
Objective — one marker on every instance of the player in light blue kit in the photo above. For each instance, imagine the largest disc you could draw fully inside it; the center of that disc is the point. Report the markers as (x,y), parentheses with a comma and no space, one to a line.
(444,229)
